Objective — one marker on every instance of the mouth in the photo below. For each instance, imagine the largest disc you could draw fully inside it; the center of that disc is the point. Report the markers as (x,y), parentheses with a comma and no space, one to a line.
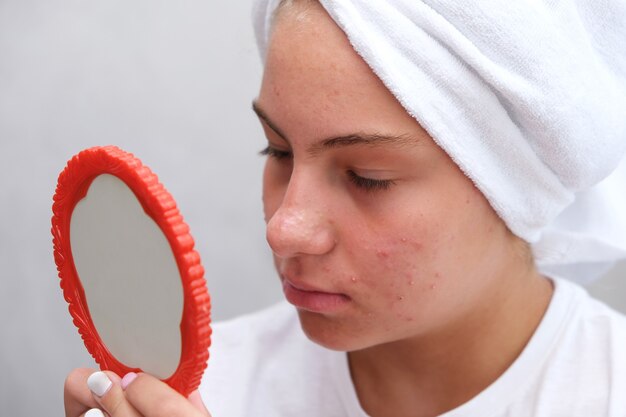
(311,299)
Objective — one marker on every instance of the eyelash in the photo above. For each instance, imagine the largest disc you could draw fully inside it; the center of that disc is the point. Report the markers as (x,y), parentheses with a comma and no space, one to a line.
(275,153)
(369,184)
(366,184)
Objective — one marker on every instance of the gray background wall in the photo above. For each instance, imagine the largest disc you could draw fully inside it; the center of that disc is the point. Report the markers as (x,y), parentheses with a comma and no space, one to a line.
(169,81)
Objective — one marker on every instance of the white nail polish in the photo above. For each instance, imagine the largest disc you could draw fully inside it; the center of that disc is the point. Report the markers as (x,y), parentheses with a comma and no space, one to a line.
(94,412)
(99,383)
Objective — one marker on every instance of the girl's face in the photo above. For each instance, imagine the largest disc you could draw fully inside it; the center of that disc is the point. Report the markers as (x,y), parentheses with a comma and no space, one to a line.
(377,235)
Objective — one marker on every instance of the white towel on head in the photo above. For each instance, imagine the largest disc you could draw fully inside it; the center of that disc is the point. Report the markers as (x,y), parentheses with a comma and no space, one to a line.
(527,97)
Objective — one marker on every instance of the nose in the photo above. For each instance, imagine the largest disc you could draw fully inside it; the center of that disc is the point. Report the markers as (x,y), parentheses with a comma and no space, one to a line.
(301,225)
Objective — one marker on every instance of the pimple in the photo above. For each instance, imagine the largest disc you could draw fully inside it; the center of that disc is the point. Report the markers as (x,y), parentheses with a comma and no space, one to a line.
(353,279)
(381,253)
(400,297)
(403,317)
(433,286)
(416,245)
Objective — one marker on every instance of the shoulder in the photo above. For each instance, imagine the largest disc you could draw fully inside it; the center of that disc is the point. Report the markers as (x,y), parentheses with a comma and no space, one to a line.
(574,365)
(263,364)
(585,368)
(239,344)
(592,322)
(262,326)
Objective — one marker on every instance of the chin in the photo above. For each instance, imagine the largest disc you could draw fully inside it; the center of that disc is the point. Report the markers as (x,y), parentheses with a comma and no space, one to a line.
(333,333)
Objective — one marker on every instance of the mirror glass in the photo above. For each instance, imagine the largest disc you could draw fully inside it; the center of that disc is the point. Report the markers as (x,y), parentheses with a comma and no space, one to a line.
(129,275)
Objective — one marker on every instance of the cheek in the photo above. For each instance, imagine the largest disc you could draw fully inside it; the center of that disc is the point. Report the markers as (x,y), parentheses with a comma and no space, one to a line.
(398,274)
(409,266)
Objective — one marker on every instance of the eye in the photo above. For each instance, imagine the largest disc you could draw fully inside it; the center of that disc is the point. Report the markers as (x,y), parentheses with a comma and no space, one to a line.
(275,153)
(369,184)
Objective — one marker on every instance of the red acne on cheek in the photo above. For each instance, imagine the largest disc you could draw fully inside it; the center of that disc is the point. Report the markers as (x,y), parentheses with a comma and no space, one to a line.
(404,317)
(410,276)
(416,246)
(411,243)
(434,285)
(383,254)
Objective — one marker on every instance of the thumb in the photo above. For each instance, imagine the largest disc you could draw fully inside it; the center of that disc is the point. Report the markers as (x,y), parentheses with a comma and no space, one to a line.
(107,391)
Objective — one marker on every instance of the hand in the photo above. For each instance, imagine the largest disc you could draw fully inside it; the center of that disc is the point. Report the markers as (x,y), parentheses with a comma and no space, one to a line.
(141,396)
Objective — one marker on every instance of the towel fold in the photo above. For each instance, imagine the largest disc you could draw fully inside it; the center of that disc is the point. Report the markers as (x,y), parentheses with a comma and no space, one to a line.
(527,97)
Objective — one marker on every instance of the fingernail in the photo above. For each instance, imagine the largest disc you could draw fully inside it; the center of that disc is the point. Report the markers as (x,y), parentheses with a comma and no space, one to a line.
(99,383)
(94,412)
(128,378)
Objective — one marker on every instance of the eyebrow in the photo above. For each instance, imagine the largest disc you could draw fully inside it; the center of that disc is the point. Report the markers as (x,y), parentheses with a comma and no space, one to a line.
(367,139)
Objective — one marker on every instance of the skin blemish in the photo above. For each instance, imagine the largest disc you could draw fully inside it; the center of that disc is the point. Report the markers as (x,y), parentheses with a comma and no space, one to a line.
(416,246)
(381,253)
(404,317)
(400,297)
(353,279)
(433,286)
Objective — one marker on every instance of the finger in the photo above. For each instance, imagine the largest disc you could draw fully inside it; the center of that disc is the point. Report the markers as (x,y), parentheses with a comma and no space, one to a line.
(107,391)
(94,412)
(195,399)
(155,398)
(76,396)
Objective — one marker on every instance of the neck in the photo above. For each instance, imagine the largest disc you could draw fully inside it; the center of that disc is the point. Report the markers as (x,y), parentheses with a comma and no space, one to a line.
(436,372)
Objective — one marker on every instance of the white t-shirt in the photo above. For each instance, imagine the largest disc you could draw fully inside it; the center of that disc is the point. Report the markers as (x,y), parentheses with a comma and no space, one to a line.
(262,365)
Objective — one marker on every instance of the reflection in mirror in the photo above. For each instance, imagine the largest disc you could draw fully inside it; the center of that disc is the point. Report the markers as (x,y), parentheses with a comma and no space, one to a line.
(130,277)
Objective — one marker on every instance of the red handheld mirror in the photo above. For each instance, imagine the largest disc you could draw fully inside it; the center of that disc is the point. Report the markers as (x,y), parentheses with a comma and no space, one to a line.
(128,269)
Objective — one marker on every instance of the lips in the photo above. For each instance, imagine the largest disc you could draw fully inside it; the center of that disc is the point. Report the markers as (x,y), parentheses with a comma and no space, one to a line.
(310,298)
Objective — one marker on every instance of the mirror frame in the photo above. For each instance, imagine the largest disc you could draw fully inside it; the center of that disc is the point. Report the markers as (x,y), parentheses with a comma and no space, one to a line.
(72,186)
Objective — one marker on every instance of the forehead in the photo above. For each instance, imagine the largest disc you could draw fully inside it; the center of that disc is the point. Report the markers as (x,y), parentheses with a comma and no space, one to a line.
(309,51)
(315,84)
